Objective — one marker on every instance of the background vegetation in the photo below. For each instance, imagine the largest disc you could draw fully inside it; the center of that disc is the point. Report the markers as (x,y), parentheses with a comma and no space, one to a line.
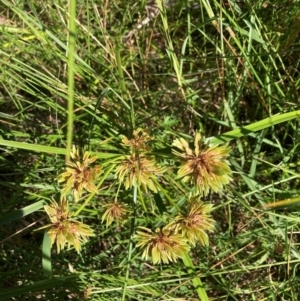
(86,72)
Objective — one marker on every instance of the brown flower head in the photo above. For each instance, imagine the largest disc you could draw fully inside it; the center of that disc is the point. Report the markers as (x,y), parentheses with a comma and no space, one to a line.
(114,212)
(138,170)
(194,223)
(79,175)
(163,246)
(205,167)
(63,230)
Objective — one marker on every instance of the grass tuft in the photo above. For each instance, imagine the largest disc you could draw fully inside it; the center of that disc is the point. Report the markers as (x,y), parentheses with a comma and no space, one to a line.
(178,108)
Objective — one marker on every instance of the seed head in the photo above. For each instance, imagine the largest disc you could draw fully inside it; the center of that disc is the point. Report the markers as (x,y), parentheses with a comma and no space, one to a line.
(79,175)
(114,212)
(193,224)
(138,142)
(63,230)
(138,170)
(205,167)
(163,246)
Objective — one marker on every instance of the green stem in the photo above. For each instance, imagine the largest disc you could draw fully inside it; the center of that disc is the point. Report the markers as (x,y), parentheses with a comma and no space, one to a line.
(196,280)
(123,87)
(71,67)
(132,225)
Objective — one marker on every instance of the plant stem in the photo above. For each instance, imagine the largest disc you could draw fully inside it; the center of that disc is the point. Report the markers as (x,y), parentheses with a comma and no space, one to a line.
(71,67)
(130,247)
(196,280)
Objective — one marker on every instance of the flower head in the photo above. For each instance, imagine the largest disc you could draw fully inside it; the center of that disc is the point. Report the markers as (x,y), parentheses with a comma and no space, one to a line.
(79,175)
(114,212)
(138,170)
(138,142)
(194,223)
(63,230)
(58,212)
(206,167)
(163,246)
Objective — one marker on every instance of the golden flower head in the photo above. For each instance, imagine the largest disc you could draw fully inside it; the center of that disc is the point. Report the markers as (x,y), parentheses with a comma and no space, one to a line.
(79,175)
(63,230)
(205,167)
(138,170)
(139,140)
(163,246)
(114,212)
(195,222)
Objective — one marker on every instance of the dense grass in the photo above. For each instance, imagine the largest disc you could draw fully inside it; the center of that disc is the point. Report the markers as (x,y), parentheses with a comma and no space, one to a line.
(84,74)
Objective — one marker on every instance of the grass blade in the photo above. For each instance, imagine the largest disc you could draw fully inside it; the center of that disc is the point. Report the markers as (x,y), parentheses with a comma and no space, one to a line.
(21,213)
(196,280)
(71,68)
(254,127)
(46,249)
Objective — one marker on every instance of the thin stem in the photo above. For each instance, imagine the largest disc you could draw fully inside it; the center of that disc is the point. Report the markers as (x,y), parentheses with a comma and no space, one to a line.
(130,247)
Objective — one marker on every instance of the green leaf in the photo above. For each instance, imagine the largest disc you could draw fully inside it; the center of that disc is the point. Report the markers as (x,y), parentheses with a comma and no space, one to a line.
(159,203)
(37,286)
(196,280)
(33,147)
(283,203)
(254,127)
(21,213)
(46,249)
